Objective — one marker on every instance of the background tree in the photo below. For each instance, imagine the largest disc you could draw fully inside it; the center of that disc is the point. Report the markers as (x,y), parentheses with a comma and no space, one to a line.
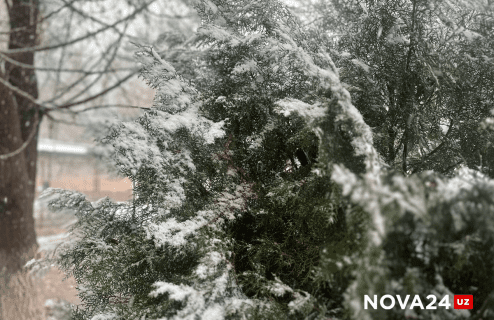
(420,74)
(77,47)
(19,123)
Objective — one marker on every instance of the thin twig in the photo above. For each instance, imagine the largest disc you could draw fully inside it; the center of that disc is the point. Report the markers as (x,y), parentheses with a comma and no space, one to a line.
(45,109)
(87,36)
(66,122)
(116,45)
(75,83)
(86,16)
(29,66)
(111,106)
(69,105)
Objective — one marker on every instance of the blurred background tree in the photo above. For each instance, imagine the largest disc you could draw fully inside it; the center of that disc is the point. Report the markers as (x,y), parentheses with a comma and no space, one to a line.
(62,63)
(421,74)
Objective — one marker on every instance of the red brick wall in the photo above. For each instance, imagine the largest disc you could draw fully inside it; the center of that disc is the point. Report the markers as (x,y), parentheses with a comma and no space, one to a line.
(80,173)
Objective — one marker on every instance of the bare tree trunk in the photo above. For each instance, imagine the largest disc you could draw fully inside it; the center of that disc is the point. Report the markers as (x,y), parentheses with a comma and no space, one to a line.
(19,119)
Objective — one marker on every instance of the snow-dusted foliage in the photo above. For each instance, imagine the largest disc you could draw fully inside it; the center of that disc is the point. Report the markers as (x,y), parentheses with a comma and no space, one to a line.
(258,193)
(431,220)
(191,184)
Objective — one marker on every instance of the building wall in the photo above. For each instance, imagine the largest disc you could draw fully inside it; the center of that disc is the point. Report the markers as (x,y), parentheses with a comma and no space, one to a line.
(80,173)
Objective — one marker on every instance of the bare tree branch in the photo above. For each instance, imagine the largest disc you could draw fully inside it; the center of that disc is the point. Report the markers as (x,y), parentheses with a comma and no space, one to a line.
(47,109)
(87,36)
(78,81)
(116,85)
(71,123)
(107,67)
(110,106)
(54,12)
(86,16)
(64,51)
(48,16)
(85,72)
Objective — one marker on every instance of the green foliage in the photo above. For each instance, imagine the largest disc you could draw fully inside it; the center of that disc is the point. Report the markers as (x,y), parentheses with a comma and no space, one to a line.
(438,240)
(420,74)
(113,260)
(297,223)
(259,193)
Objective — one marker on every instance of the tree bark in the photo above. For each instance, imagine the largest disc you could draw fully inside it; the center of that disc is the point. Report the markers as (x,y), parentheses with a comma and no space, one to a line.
(19,119)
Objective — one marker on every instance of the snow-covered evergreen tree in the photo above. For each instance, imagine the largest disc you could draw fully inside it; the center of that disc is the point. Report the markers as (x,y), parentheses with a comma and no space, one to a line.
(228,219)
(259,194)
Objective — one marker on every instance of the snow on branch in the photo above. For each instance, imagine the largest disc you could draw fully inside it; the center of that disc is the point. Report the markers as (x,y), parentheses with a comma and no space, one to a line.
(311,112)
